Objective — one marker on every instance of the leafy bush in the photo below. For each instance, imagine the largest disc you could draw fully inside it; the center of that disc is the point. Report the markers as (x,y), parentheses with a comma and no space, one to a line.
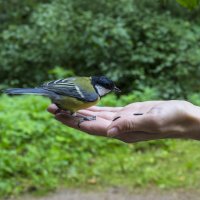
(135,46)
(189,3)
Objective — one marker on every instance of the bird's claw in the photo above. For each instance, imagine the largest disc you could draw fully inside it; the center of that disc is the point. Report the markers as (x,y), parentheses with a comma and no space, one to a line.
(86,118)
(58,111)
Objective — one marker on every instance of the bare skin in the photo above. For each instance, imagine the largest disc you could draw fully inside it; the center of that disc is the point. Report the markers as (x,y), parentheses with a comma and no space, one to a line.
(139,121)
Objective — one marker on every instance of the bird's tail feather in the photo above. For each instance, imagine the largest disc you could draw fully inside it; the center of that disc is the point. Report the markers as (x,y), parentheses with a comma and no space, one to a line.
(19,91)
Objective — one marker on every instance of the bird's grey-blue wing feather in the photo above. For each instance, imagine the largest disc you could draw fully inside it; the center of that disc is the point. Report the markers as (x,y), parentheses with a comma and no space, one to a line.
(66,87)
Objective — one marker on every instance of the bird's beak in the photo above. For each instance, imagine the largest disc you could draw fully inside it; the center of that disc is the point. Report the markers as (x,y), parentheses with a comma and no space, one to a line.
(117,89)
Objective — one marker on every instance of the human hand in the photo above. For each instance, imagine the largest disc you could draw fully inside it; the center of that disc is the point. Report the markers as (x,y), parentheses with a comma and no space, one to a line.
(104,117)
(140,121)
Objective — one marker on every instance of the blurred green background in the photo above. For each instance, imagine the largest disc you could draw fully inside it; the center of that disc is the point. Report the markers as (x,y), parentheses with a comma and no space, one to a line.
(151,49)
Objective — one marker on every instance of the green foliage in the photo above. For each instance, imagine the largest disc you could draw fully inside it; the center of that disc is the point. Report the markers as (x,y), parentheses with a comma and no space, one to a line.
(189,3)
(144,95)
(16,12)
(195,98)
(37,153)
(58,72)
(131,43)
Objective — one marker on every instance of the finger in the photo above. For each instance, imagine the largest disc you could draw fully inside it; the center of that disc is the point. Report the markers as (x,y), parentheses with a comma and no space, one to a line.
(140,123)
(52,108)
(94,127)
(105,115)
(108,109)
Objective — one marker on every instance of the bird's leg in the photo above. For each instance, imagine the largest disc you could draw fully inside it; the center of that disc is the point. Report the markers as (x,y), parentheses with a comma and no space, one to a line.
(58,111)
(82,118)
(86,118)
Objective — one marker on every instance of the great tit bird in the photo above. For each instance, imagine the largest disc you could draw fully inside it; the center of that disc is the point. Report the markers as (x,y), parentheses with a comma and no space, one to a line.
(71,94)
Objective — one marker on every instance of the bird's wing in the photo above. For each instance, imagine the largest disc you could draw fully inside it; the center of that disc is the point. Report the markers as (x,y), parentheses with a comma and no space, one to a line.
(68,87)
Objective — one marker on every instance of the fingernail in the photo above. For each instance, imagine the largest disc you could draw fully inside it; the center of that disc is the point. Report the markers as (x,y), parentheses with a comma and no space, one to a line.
(112,132)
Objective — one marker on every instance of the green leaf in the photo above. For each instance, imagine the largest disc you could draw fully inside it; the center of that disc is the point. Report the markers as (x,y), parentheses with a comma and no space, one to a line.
(190,4)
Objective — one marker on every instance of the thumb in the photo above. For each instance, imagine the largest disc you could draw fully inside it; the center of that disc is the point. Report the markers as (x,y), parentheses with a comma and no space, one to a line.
(119,126)
(129,124)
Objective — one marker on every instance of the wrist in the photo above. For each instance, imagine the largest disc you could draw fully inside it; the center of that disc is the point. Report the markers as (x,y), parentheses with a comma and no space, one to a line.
(193,122)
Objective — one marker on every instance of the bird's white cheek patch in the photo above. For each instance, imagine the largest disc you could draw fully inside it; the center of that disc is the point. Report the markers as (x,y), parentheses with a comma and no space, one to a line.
(101,90)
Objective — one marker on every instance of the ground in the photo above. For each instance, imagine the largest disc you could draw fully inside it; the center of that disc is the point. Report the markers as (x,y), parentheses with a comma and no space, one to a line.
(118,194)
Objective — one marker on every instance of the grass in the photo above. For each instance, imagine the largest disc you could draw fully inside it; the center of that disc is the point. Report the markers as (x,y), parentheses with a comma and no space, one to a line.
(174,167)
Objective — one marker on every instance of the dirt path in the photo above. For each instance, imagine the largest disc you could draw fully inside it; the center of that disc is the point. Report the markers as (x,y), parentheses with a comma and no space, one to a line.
(116,194)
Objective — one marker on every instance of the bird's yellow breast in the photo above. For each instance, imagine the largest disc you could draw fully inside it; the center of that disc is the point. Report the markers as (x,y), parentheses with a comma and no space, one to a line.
(73,105)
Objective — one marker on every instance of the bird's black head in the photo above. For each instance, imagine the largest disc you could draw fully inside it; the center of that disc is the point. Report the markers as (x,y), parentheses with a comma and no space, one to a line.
(103,85)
